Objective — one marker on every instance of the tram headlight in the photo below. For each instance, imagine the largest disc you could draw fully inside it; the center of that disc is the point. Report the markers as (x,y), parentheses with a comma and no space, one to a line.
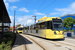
(54,32)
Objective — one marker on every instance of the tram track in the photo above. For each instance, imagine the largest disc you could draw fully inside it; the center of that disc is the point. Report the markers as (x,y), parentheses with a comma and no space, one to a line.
(26,47)
(48,41)
(61,43)
(24,42)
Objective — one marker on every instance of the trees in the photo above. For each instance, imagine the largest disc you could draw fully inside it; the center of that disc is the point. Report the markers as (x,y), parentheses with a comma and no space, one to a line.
(68,22)
(74,21)
(10,28)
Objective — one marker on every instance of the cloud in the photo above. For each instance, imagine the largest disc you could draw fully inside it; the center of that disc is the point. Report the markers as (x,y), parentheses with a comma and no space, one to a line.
(11,18)
(4,0)
(25,20)
(6,4)
(13,7)
(54,13)
(37,13)
(68,10)
(35,10)
(12,0)
(23,9)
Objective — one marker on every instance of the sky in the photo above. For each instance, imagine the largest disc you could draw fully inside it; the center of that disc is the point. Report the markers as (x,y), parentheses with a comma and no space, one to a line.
(25,9)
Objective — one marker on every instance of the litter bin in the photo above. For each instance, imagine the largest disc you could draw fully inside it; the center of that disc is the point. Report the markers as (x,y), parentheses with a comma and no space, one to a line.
(69,35)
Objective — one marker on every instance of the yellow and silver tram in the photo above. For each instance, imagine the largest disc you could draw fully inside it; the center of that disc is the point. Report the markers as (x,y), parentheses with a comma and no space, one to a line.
(19,29)
(50,28)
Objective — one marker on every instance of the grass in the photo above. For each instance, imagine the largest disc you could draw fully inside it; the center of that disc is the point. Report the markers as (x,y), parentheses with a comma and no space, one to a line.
(8,40)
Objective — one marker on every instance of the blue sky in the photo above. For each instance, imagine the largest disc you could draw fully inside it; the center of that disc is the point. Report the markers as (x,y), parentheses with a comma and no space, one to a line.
(25,9)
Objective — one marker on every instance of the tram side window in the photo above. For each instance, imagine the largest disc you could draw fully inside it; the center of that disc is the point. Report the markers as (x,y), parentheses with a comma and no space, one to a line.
(42,25)
(30,27)
(34,27)
(49,25)
(39,26)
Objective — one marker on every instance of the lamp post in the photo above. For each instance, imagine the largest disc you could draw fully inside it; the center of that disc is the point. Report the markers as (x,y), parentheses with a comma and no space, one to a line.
(35,18)
(14,22)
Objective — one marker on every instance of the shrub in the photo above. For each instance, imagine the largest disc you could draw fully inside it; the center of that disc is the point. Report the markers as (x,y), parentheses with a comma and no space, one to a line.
(7,48)
(8,35)
(7,41)
(4,39)
(1,48)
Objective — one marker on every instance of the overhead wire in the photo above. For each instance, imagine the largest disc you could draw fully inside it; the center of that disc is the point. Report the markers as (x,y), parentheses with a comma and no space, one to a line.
(41,5)
(48,5)
(26,4)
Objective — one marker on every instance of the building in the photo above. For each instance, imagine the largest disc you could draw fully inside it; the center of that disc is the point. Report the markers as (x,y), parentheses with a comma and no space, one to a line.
(12,28)
(4,18)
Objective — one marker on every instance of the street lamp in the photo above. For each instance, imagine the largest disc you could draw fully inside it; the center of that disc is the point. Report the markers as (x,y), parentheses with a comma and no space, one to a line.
(35,18)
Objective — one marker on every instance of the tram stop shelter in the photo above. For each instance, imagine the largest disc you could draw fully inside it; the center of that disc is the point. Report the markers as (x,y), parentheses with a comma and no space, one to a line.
(4,18)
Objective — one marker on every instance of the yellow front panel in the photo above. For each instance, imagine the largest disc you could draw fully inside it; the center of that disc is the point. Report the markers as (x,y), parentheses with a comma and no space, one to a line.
(20,31)
(49,33)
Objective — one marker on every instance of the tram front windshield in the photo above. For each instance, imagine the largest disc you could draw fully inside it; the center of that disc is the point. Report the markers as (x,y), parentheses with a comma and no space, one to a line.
(20,28)
(57,26)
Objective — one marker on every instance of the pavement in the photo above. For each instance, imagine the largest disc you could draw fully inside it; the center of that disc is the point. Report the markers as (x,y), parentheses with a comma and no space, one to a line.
(18,45)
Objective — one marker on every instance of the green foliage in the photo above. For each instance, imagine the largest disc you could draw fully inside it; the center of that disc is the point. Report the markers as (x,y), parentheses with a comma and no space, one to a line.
(1,48)
(7,41)
(10,28)
(65,30)
(74,21)
(72,30)
(11,35)
(7,48)
(68,22)
(4,39)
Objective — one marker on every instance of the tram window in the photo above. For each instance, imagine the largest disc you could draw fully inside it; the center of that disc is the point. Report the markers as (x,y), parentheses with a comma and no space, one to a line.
(38,26)
(42,25)
(33,27)
(49,25)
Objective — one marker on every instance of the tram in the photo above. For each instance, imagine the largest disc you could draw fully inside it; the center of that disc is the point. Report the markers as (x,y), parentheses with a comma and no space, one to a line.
(20,29)
(46,27)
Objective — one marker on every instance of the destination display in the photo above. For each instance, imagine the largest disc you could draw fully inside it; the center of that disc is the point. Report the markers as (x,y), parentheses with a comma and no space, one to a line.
(57,20)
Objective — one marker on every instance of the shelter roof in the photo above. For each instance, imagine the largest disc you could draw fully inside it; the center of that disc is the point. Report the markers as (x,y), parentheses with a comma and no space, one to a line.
(4,17)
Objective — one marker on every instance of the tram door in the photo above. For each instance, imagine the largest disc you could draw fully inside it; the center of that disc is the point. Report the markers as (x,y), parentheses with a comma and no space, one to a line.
(36,28)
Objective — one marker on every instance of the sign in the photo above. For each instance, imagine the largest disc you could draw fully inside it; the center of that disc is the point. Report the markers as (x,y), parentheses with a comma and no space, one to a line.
(57,20)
